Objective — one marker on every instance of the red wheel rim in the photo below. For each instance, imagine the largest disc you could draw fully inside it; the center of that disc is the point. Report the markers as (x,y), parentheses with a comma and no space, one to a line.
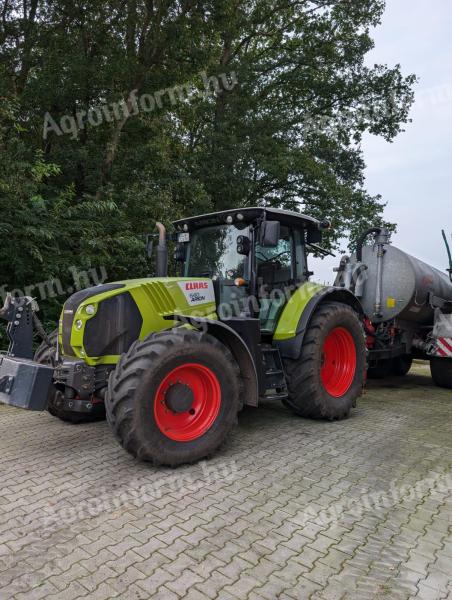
(195,420)
(338,362)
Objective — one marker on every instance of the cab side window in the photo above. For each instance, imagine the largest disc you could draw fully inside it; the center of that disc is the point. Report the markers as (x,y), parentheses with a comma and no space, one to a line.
(275,274)
(275,266)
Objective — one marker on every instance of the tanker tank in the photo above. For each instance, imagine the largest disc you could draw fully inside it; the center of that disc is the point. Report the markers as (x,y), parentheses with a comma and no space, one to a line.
(407,307)
(407,284)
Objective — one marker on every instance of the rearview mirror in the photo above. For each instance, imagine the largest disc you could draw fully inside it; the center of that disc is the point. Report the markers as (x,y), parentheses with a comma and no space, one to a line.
(270,234)
(180,252)
(314,236)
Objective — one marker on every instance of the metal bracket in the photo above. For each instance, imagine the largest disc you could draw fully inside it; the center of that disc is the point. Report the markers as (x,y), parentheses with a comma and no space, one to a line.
(18,312)
(78,376)
(437,302)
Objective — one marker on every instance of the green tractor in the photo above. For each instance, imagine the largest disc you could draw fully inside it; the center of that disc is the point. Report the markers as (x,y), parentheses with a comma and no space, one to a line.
(173,360)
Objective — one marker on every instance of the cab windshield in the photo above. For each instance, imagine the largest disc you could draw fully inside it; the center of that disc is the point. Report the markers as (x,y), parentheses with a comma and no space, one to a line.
(213,252)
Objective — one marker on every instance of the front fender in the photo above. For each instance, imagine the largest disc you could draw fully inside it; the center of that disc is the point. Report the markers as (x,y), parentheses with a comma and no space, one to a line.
(289,337)
(240,351)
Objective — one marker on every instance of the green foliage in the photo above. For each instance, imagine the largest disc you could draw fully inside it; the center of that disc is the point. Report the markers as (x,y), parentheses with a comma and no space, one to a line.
(287,134)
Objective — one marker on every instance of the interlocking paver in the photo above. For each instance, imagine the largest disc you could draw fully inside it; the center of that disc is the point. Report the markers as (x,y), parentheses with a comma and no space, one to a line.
(287,509)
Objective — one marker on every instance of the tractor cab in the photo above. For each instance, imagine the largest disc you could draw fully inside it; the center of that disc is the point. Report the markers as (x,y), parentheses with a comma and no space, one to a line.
(256,258)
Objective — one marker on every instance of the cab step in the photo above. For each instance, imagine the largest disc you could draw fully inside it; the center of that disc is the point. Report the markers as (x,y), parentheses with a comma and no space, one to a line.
(275,379)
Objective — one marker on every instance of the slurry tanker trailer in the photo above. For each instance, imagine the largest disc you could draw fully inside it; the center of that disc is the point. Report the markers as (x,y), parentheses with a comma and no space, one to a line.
(407,306)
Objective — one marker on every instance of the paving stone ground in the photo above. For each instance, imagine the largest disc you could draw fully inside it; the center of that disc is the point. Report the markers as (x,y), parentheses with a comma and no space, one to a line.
(289,508)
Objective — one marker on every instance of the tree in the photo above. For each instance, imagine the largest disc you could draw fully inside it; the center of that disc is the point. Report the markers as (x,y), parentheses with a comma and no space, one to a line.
(289,134)
(280,123)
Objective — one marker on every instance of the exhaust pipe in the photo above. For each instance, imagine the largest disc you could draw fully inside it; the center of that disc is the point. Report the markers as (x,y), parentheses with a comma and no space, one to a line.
(162,252)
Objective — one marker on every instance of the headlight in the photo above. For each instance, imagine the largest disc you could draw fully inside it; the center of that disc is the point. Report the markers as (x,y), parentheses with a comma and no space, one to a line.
(90,309)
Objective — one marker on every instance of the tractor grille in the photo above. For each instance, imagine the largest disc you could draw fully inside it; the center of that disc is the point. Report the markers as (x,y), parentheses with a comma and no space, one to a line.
(71,305)
(116,325)
(160,298)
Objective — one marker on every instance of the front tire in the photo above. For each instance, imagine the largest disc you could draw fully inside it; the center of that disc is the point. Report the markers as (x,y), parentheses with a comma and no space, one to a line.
(441,370)
(329,376)
(45,354)
(174,397)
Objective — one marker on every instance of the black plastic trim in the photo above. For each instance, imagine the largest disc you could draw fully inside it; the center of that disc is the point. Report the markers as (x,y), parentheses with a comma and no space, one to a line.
(70,308)
(114,328)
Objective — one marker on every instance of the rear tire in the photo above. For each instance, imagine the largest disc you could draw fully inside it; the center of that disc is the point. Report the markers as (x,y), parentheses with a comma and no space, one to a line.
(46,355)
(153,392)
(325,381)
(441,370)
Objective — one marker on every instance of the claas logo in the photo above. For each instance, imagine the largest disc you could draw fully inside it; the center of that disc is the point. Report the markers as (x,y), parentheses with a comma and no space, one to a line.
(196,285)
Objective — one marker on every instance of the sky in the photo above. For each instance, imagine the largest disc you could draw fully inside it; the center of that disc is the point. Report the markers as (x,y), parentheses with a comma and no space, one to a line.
(414,172)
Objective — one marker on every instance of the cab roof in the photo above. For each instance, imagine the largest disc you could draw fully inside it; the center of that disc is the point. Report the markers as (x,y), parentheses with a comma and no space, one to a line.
(286,217)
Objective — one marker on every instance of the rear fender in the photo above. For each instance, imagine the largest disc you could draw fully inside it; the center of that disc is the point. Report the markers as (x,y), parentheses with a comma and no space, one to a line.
(227,336)
(291,346)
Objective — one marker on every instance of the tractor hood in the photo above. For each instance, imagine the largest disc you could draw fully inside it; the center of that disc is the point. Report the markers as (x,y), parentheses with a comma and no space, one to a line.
(99,323)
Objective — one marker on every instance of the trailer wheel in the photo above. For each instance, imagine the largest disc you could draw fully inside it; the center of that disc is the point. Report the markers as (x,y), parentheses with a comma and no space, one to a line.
(383,369)
(174,397)
(401,365)
(329,375)
(46,355)
(441,370)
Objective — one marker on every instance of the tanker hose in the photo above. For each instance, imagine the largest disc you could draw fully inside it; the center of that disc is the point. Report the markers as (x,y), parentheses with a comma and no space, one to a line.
(362,238)
(448,254)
